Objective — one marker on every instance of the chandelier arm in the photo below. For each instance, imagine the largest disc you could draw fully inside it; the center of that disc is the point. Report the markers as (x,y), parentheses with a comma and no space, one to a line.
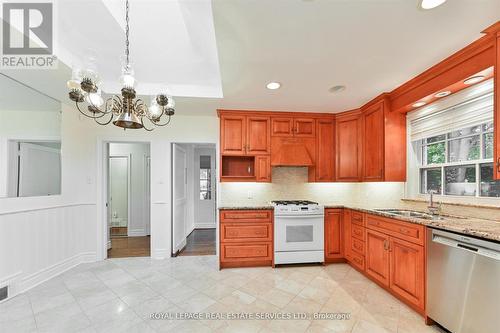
(107,122)
(160,125)
(86,115)
(144,125)
(100,111)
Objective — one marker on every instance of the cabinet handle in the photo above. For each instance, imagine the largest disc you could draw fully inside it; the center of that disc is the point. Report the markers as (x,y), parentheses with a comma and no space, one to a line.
(385,245)
(498,165)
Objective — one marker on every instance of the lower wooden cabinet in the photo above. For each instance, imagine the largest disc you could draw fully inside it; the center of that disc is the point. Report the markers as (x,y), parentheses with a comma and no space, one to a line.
(246,238)
(333,234)
(407,272)
(377,256)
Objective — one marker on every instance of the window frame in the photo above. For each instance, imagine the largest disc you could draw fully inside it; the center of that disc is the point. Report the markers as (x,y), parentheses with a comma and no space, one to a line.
(420,146)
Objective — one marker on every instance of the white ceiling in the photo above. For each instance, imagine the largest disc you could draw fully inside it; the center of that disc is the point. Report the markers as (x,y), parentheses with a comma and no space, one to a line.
(202,49)
(310,46)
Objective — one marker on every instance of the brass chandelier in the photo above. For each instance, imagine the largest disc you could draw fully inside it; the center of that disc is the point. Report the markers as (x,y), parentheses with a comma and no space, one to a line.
(124,111)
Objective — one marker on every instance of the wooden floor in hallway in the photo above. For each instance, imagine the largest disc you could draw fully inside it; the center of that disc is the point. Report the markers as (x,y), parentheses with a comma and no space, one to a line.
(123,247)
(200,242)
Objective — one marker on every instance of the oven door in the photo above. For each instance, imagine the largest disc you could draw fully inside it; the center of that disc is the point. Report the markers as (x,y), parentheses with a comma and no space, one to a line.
(299,233)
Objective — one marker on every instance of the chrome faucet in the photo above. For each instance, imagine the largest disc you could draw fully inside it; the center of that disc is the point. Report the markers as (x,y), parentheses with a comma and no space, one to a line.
(434,210)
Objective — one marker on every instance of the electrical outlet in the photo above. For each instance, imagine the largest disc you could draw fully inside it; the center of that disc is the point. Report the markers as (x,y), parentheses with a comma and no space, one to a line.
(249,195)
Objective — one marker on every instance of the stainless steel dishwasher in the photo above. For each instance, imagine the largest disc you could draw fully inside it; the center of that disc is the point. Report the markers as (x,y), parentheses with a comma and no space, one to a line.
(463,282)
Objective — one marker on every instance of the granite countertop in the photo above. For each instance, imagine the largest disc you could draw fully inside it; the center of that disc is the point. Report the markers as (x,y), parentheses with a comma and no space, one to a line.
(482,228)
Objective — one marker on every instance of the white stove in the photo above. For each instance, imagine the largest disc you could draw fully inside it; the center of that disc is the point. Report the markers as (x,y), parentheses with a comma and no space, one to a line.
(298,232)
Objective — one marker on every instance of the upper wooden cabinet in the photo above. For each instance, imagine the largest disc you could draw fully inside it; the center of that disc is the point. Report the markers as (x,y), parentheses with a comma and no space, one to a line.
(325,150)
(373,143)
(291,126)
(245,135)
(348,147)
(233,134)
(258,135)
(384,142)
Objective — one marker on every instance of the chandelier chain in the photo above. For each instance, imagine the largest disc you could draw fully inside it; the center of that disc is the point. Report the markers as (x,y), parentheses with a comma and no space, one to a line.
(127,29)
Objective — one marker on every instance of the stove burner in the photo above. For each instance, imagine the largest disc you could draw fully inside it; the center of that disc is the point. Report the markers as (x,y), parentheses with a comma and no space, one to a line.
(293,202)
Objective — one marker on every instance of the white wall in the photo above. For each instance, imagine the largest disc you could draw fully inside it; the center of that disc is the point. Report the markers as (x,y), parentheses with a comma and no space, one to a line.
(64,230)
(139,209)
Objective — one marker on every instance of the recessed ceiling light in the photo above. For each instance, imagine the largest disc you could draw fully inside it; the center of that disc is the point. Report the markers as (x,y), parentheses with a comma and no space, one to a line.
(337,89)
(418,104)
(273,85)
(430,4)
(474,79)
(442,94)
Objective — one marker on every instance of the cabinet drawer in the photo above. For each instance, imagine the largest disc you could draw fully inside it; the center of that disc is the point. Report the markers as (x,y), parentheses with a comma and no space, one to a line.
(246,216)
(358,246)
(404,230)
(357,218)
(234,232)
(358,232)
(357,260)
(246,252)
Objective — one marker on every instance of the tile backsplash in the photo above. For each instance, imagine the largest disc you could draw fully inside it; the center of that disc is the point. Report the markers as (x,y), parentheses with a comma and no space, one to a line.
(291,183)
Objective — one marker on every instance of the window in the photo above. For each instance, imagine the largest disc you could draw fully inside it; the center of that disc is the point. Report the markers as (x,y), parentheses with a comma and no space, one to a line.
(459,162)
(205,178)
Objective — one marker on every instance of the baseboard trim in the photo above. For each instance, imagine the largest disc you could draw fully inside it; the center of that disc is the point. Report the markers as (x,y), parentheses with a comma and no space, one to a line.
(160,253)
(33,280)
(204,226)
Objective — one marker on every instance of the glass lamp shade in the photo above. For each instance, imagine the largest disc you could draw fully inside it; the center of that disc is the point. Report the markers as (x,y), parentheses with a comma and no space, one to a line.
(171,102)
(127,81)
(154,111)
(94,99)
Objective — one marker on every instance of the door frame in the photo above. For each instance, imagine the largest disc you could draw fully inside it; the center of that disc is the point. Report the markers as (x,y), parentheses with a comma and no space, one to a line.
(102,179)
(129,183)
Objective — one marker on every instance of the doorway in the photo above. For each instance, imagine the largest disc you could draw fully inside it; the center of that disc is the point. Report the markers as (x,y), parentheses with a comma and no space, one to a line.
(128,203)
(193,199)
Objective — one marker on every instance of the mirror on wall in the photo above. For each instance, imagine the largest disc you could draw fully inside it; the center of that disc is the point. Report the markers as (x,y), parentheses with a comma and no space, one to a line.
(30,141)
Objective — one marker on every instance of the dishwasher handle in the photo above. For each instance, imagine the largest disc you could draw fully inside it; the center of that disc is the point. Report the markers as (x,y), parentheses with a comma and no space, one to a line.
(477,246)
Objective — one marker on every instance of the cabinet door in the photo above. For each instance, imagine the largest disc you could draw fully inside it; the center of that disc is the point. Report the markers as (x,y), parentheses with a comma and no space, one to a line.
(333,234)
(346,224)
(232,134)
(373,145)
(377,256)
(281,126)
(258,135)
(304,127)
(407,271)
(348,148)
(263,168)
(325,150)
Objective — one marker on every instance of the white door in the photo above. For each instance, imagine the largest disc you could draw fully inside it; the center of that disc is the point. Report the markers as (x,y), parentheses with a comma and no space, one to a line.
(204,195)
(179,198)
(119,192)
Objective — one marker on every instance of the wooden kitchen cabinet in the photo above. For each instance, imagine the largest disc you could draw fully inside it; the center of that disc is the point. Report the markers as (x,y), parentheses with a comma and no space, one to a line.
(377,256)
(407,272)
(333,234)
(233,134)
(291,126)
(325,150)
(245,135)
(373,143)
(258,140)
(263,168)
(246,238)
(496,134)
(348,147)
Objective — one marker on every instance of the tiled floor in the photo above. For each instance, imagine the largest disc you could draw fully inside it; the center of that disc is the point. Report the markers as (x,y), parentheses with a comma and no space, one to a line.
(119,295)
(199,242)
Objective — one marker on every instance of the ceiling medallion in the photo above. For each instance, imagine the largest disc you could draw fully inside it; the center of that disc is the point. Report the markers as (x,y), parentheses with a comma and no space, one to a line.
(124,111)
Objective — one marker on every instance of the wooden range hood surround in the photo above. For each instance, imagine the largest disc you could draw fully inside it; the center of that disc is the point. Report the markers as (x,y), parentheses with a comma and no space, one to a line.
(291,153)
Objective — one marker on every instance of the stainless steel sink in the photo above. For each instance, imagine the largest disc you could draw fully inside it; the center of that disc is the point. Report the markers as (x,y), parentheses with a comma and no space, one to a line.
(410,213)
